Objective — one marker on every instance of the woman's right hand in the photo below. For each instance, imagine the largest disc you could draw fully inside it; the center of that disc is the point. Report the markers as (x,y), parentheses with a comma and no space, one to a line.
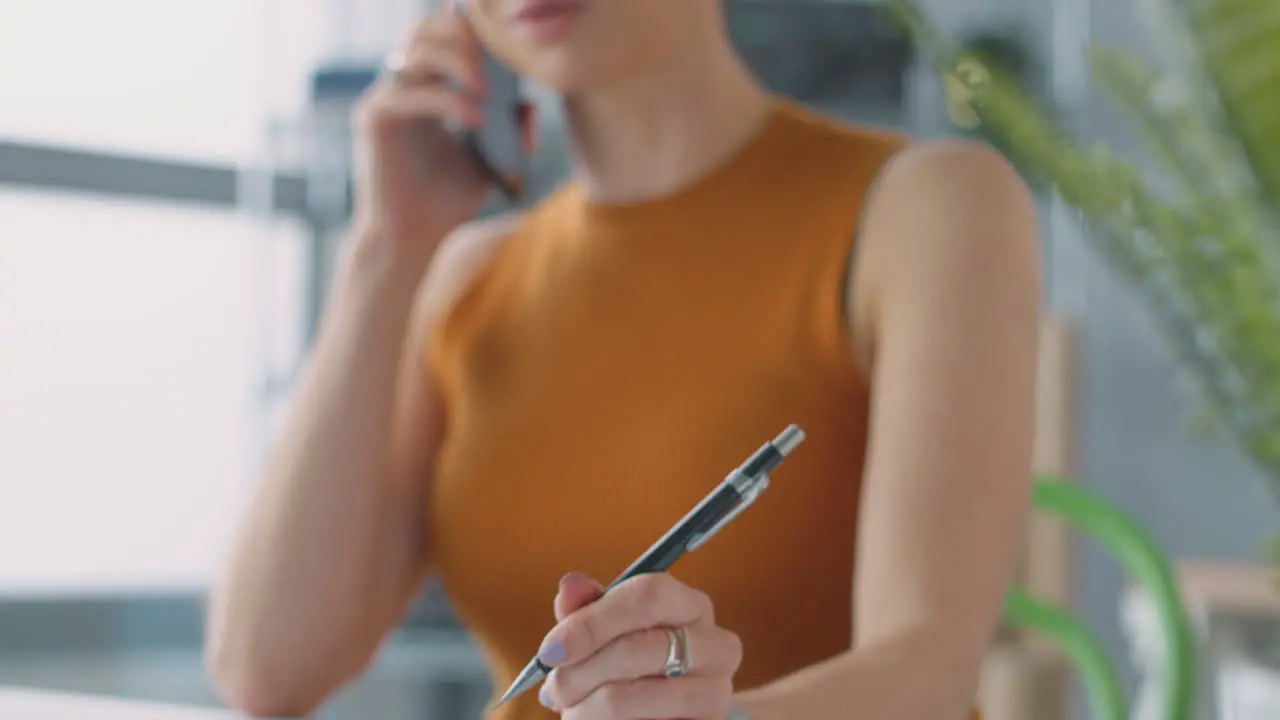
(415,182)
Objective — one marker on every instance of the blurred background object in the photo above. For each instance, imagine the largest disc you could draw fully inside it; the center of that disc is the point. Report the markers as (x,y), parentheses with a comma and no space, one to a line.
(1204,252)
(1194,225)
(174,178)
(1011,51)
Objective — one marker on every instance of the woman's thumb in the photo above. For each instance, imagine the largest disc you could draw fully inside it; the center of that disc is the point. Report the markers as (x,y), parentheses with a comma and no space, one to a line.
(576,591)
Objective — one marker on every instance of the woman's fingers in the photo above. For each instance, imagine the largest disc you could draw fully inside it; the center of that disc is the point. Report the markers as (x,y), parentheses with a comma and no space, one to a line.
(610,655)
(577,590)
(686,697)
(641,603)
(436,76)
(713,652)
(425,103)
(432,64)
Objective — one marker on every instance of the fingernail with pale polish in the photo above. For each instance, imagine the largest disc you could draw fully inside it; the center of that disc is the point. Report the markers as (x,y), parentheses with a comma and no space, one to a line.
(552,653)
(575,575)
(544,698)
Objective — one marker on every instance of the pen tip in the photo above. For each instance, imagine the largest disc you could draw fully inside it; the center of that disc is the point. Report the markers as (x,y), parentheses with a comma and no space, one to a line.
(529,677)
(506,697)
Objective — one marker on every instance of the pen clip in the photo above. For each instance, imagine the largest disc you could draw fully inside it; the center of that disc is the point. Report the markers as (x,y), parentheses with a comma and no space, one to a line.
(748,497)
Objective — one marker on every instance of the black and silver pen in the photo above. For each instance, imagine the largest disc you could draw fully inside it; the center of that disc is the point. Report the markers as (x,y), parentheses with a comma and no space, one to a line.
(732,496)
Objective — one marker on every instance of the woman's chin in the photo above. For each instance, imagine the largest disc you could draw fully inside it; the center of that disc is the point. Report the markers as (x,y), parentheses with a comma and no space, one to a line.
(559,72)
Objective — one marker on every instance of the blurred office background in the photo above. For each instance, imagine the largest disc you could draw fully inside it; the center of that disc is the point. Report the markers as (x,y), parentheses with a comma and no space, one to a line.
(172,183)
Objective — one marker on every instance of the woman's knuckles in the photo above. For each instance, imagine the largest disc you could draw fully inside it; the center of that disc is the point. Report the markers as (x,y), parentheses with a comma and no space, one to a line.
(732,650)
(661,599)
(613,652)
(630,657)
(655,596)
(615,699)
(690,697)
(716,654)
(584,633)
(645,601)
(706,697)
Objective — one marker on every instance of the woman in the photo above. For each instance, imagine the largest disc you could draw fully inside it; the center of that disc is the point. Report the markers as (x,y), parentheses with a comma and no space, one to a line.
(501,402)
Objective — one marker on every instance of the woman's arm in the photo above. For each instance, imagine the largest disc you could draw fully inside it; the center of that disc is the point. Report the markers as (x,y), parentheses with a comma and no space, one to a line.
(331,551)
(945,307)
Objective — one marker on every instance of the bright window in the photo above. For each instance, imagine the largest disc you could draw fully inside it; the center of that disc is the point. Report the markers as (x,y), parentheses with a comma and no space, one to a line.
(154,76)
(132,346)
(135,337)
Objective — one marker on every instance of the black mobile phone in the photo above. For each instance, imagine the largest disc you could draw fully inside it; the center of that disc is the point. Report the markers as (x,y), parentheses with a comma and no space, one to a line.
(498,145)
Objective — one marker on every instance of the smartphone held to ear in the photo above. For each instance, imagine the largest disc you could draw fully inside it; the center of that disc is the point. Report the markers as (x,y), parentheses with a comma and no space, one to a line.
(498,146)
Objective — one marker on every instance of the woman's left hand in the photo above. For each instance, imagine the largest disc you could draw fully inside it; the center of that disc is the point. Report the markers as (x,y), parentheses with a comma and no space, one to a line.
(610,655)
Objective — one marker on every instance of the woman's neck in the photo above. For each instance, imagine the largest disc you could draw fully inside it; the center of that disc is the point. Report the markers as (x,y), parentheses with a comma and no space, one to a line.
(652,136)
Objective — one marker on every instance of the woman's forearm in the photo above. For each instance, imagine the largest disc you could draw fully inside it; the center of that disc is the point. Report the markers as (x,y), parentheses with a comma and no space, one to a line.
(325,547)
(913,677)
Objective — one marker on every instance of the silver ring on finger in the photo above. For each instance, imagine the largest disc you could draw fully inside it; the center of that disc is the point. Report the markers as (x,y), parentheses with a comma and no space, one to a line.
(679,660)
(395,65)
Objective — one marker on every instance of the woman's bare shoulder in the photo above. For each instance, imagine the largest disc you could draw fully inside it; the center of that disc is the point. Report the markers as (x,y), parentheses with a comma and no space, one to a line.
(952,203)
(943,214)
(461,257)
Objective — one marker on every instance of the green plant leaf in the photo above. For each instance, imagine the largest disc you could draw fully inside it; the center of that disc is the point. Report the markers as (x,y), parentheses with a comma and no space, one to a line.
(1239,43)
(1205,262)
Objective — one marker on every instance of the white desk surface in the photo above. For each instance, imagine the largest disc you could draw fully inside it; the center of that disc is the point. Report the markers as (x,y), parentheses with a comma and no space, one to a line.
(18,704)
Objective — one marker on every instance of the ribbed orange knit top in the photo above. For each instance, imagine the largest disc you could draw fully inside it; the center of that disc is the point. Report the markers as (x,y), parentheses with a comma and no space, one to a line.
(612,363)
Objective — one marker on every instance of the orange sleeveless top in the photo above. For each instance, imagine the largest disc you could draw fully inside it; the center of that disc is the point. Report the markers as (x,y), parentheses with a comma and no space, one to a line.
(612,363)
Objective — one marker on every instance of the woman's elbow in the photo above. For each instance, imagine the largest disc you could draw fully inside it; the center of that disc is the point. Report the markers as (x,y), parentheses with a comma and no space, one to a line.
(251,691)
(258,687)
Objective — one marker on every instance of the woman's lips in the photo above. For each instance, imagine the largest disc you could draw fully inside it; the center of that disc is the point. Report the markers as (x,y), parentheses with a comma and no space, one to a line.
(547,20)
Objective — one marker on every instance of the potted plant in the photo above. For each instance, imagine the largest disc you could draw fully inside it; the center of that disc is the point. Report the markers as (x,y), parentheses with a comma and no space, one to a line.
(1205,255)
